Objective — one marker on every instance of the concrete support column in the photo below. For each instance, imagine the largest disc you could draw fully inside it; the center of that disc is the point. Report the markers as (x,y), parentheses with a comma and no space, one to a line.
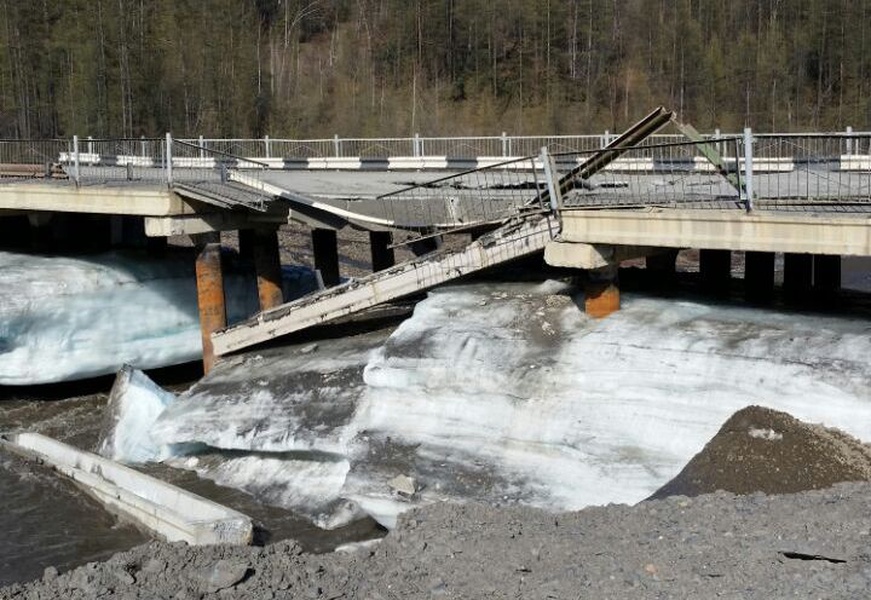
(128,231)
(662,267)
(210,298)
(246,245)
(759,277)
(797,277)
(326,250)
(827,276)
(41,232)
(601,293)
(383,256)
(715,270)
(267,265)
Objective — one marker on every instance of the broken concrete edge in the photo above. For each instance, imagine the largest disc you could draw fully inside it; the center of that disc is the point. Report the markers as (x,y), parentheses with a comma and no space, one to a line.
(166,510)
(580,255)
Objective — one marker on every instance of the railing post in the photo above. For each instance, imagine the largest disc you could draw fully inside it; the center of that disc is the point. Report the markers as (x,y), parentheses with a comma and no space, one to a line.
(168,159)
(606,138)
(90,145)
(266,146)
(415,146)
(552,181)
(849,141)
(748,168)
(202,144)
(337,146)
(76,159)
(504,145)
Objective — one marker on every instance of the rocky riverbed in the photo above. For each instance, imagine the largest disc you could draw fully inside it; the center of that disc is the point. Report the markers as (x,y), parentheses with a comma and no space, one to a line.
(814,543)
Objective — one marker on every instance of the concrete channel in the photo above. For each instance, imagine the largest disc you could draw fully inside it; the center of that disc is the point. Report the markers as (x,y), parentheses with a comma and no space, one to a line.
(168,511)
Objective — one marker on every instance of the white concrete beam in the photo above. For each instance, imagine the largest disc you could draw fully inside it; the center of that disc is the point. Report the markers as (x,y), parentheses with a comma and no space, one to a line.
(205,223)
(114,200)
(723,230)
(173,513)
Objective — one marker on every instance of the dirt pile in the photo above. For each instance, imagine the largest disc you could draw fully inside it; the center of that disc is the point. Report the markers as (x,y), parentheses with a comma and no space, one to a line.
(763,450)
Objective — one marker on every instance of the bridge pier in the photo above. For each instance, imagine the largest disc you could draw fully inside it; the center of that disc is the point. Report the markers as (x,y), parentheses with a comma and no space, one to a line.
(759,277)
(125,230)
(601,292)
(267,266)
(663,265)
(383,256)
(798,270)
(715,271)
(210,297)
(827,276)
(325,246)
(259,247)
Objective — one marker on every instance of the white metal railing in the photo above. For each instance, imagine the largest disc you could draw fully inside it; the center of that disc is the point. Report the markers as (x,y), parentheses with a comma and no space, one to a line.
(797,168)
(504,146)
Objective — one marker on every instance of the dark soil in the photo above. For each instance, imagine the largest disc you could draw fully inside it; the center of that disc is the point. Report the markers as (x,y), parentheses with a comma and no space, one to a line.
(764,450)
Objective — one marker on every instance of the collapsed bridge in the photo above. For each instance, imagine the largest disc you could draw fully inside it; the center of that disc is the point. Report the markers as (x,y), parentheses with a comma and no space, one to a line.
(635,196)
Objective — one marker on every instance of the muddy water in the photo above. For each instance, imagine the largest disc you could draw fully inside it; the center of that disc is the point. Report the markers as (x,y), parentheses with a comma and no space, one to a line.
(46,521)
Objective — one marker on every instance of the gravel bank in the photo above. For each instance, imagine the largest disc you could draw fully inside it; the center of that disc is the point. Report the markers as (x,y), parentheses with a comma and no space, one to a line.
(809,544)
(812,544)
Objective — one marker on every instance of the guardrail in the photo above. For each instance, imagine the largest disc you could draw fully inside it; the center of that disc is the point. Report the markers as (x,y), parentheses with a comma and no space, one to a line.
(779,168)
(469,147)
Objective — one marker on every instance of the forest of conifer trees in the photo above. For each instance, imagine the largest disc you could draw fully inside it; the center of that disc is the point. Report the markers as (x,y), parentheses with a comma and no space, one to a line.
(312,68)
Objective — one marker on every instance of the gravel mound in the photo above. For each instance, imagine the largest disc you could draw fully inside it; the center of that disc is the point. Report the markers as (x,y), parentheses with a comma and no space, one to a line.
(815,543)
(763,450)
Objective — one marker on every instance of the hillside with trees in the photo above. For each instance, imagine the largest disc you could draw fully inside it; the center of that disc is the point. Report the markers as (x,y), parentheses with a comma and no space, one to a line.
(312,68)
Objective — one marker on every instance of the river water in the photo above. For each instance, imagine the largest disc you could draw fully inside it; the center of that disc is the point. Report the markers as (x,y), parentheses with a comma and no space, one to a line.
(47,521)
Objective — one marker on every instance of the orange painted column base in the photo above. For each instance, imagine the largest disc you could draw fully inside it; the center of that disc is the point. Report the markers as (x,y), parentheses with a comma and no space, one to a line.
(601,298)
(210,299)
(267,264)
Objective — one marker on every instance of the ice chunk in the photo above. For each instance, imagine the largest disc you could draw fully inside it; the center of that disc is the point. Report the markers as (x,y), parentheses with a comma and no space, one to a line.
(134,404)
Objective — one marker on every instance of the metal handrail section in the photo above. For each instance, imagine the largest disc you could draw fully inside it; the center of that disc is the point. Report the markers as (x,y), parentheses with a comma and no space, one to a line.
(504,145)
(791,169)
(94,161)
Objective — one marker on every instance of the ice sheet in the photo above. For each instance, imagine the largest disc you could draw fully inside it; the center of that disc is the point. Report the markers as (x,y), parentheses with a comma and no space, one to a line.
(65,317)
(507,393)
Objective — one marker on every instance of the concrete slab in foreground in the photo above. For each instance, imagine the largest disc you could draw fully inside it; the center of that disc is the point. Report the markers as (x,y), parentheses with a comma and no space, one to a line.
(171,512)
